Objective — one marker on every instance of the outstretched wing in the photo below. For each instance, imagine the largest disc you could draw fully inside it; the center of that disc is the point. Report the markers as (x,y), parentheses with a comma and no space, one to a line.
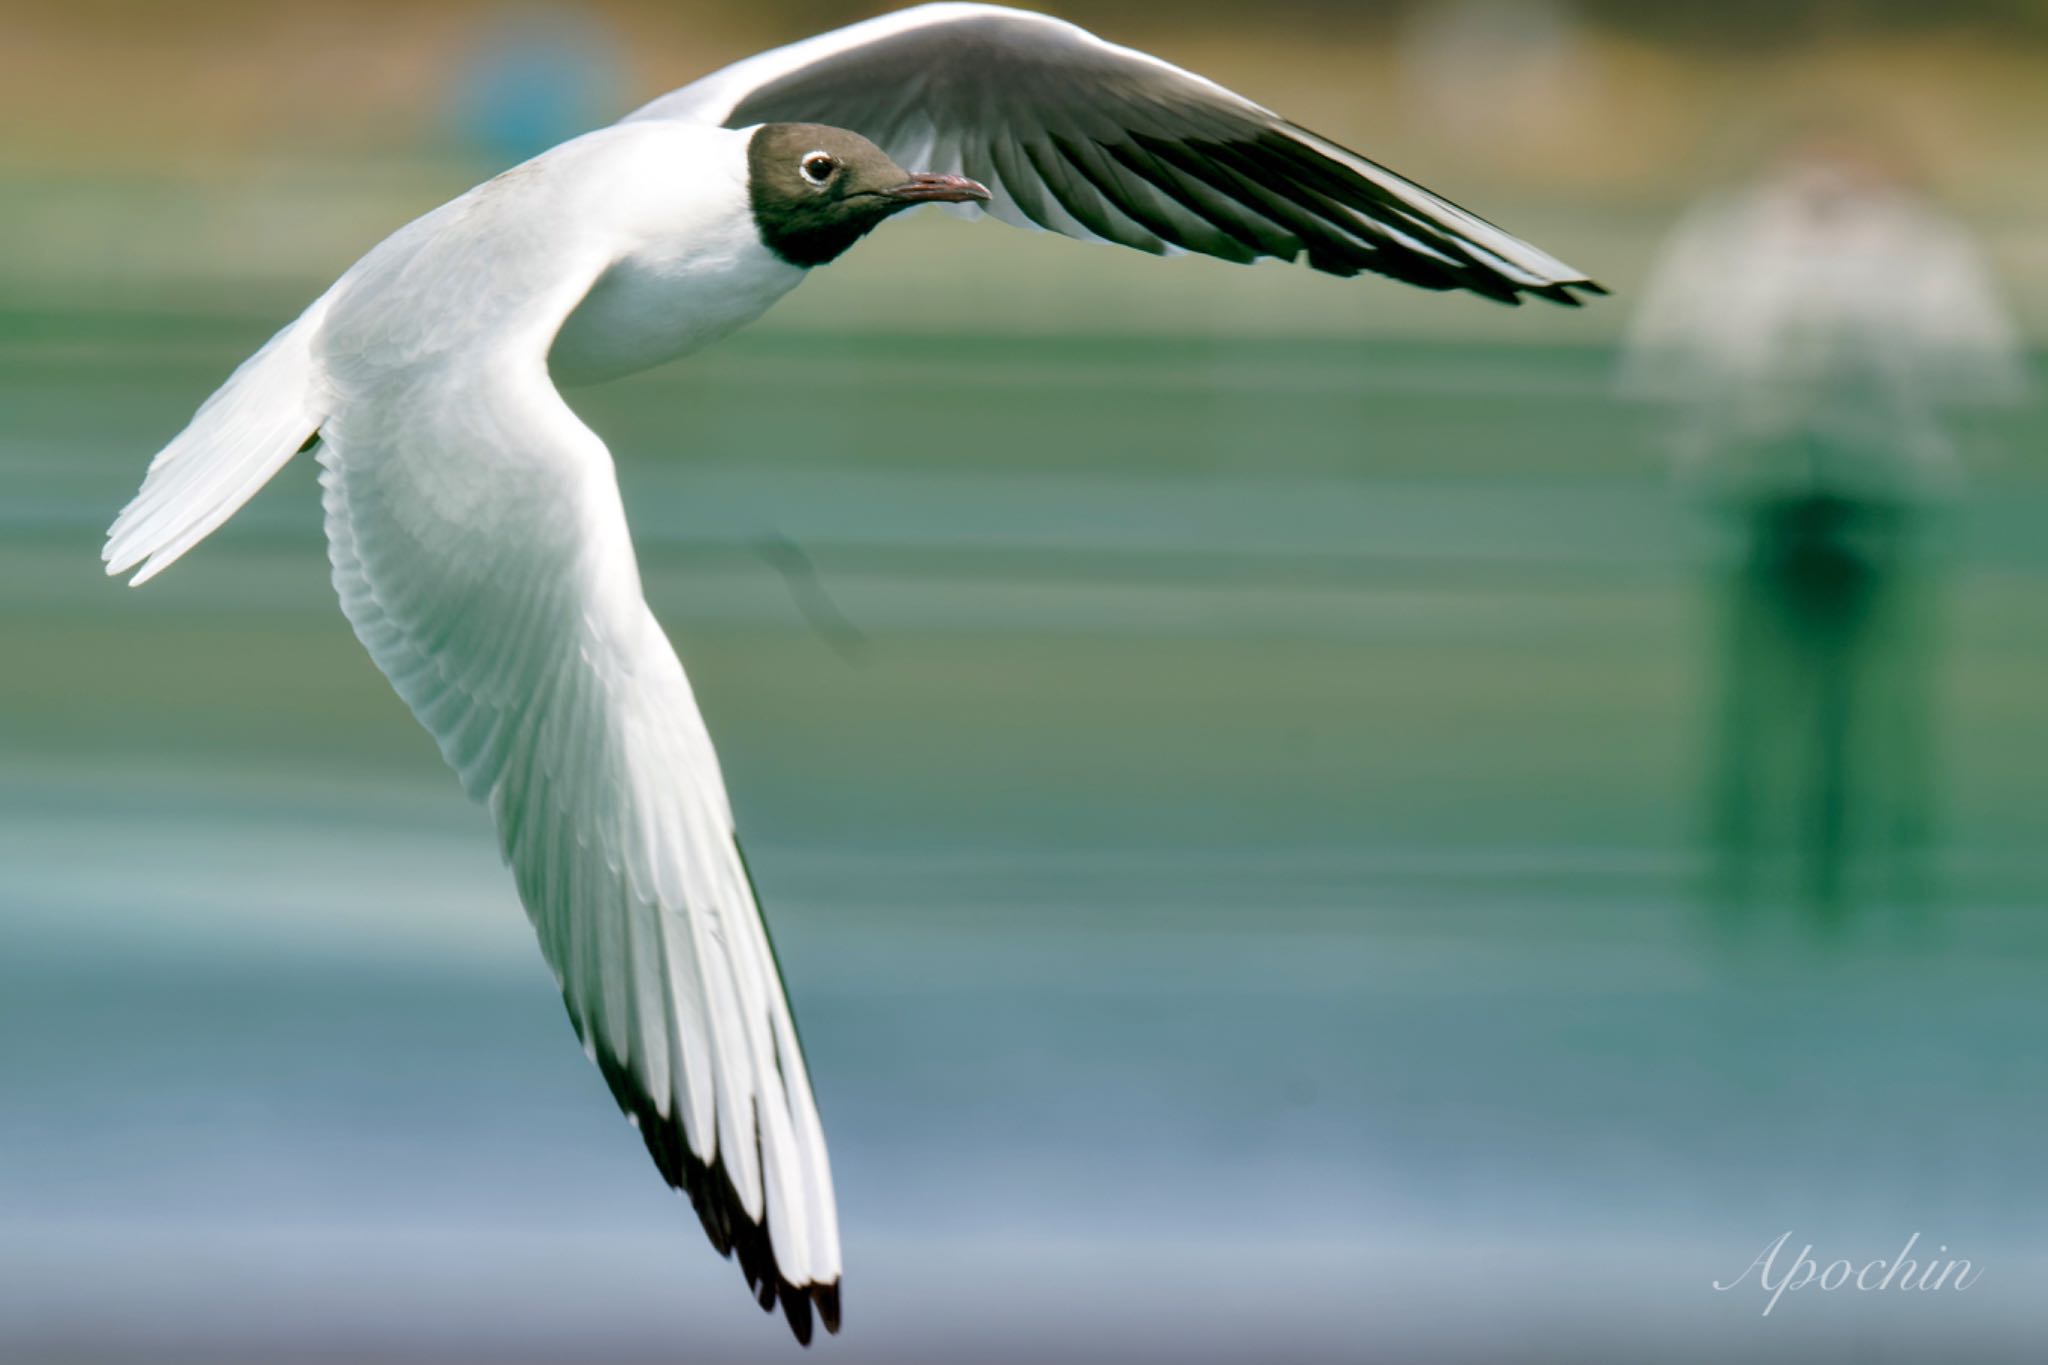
(1104,143)
(481,552)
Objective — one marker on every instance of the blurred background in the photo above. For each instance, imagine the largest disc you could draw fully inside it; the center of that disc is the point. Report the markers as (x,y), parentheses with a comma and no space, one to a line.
(1340,823)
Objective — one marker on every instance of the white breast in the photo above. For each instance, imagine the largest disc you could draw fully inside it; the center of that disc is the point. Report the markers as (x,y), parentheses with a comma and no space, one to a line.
(695,269)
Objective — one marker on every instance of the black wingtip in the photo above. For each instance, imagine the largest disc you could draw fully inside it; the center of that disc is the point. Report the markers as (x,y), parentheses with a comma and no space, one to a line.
(732,1230)
(801,1303)
(796,1308)
(1562,293)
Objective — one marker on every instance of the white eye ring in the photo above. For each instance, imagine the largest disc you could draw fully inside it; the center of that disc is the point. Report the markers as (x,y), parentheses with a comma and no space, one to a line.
(817,166)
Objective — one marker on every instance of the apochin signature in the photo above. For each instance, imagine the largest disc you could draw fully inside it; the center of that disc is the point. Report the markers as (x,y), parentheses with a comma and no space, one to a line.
(1900,1272)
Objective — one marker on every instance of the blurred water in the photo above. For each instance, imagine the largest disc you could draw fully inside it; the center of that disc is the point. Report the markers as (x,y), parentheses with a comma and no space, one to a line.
(1236,892)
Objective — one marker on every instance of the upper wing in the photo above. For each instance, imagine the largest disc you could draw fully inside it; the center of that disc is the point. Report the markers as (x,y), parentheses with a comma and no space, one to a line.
(1109,144)
(481,552)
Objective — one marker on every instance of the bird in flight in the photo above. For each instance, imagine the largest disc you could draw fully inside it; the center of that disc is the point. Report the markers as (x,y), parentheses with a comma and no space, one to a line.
(480,549)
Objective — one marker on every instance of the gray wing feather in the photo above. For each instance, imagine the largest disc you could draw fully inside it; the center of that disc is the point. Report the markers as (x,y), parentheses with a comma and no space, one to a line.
(1103,143)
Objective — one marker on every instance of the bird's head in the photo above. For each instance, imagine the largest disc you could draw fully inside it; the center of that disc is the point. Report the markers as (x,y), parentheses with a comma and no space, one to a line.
(817,190)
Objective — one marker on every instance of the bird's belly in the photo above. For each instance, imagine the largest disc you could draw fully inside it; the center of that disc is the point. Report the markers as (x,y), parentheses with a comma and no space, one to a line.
(643,312)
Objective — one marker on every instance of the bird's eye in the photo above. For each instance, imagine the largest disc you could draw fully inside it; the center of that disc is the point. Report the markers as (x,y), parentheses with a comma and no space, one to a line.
(818,167)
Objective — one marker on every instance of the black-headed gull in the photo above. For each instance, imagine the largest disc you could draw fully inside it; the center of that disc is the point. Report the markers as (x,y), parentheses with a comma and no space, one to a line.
(481,552)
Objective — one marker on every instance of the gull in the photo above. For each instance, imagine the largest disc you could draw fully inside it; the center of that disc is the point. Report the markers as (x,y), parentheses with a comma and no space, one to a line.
(480,549)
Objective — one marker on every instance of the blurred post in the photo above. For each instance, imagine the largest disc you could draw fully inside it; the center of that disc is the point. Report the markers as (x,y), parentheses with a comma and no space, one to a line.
(1806,334)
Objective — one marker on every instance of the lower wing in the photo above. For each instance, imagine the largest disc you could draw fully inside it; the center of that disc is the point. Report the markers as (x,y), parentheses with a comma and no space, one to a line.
(481,553)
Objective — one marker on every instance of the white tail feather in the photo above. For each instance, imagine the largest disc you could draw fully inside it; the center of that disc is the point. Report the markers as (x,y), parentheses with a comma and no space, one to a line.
(237,440)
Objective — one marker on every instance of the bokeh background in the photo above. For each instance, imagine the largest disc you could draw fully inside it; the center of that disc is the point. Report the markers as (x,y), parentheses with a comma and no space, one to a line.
(1229,782)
